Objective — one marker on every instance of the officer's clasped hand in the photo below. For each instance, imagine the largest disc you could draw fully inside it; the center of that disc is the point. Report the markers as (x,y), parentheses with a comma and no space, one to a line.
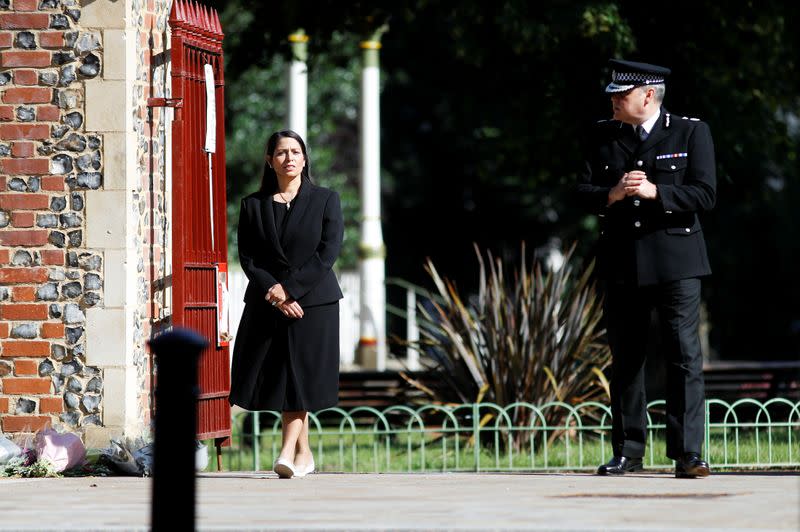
(633,183)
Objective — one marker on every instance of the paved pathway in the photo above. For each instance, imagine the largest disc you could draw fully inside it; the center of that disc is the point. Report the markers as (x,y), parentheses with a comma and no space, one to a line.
(454,501)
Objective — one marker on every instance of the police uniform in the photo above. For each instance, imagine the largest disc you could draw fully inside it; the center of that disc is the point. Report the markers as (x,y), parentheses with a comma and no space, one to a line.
(651,253)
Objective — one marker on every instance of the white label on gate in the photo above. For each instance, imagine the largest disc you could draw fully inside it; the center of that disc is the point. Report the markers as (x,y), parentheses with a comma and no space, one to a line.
(223,305)
(211,111)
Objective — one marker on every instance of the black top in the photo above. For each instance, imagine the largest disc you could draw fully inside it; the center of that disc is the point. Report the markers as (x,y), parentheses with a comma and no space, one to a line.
(301,255)
(281,211)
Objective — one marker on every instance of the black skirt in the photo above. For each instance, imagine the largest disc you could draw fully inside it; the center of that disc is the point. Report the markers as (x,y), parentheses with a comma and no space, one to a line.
(286,364)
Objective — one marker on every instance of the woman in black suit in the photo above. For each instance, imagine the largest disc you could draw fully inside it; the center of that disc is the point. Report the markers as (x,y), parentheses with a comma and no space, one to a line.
(286,355)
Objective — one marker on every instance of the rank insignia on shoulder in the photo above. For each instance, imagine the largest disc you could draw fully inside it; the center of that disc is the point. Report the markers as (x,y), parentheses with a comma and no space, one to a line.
(671,155)
(692,119)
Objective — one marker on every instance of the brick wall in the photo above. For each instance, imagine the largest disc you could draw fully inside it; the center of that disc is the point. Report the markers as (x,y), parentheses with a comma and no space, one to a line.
(78,144)
(48,277)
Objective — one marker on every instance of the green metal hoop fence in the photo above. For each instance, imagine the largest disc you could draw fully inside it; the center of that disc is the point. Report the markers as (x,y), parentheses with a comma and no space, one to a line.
(556,436)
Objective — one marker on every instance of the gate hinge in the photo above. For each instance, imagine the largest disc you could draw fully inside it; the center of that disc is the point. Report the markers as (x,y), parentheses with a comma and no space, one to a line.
(165,102)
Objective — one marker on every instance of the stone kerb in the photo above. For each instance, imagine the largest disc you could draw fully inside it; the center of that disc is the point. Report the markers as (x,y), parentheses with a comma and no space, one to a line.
(49,161)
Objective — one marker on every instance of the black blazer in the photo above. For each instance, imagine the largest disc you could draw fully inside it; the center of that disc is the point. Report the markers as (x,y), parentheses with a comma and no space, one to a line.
(302,257)
(645,242)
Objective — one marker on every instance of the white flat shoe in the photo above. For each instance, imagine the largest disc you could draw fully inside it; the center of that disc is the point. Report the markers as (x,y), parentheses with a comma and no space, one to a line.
(284,468)
(306,470)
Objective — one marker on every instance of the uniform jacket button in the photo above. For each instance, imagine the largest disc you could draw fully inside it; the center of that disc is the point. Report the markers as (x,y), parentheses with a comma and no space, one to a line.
(636,202)
(639,163)
(637,223)
(673,167)
(688,230)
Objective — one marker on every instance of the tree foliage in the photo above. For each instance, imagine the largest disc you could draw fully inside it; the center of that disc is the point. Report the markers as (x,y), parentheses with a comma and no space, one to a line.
(483,111)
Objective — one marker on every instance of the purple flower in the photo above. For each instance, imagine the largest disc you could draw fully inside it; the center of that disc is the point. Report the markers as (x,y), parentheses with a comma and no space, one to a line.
(28,456)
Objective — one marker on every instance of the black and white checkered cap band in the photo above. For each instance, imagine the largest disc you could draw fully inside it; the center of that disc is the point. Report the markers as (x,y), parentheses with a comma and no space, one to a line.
(635,78)
(623,81)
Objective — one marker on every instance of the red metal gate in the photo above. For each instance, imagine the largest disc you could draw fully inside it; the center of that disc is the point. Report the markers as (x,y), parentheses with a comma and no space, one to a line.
(199,236)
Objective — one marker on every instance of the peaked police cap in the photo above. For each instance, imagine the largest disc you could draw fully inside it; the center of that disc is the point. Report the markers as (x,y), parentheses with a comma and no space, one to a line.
(626,75)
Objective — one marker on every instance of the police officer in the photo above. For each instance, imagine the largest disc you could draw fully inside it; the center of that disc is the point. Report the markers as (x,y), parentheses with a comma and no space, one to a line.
(647,176)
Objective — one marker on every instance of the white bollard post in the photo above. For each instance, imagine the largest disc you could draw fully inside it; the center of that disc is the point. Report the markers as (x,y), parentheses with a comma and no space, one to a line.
(372,252)
(412,331)
(298,84)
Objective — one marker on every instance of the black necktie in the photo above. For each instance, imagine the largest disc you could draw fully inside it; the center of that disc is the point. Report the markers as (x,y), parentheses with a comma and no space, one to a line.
(642,133)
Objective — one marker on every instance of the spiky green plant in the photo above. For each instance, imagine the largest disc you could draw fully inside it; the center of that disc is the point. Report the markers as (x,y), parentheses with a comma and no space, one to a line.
(533,336)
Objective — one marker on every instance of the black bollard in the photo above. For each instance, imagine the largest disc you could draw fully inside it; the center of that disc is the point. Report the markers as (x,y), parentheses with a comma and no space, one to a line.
(177,353)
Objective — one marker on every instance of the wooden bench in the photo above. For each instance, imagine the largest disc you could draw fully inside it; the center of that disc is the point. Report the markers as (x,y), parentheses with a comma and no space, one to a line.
(725,380)
(733,380)
(379,389)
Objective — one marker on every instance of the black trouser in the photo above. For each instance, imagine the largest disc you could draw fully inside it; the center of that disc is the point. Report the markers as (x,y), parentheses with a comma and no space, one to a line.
(627,311)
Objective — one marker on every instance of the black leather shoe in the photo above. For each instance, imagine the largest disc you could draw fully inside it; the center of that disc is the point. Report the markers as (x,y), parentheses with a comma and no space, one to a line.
(691,466)
(619,465)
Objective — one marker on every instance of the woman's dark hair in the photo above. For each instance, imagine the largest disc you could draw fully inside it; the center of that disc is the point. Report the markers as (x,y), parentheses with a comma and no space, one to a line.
(269,179)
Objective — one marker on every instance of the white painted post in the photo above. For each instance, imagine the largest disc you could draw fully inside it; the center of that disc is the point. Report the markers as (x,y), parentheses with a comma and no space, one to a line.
(372,251)
(412,331)
(298,84)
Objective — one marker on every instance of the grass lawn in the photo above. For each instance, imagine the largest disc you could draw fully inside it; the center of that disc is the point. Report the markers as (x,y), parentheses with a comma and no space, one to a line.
(419,451)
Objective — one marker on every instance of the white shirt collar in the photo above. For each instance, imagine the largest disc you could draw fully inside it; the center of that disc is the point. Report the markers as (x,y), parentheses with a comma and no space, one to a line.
(650,122)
